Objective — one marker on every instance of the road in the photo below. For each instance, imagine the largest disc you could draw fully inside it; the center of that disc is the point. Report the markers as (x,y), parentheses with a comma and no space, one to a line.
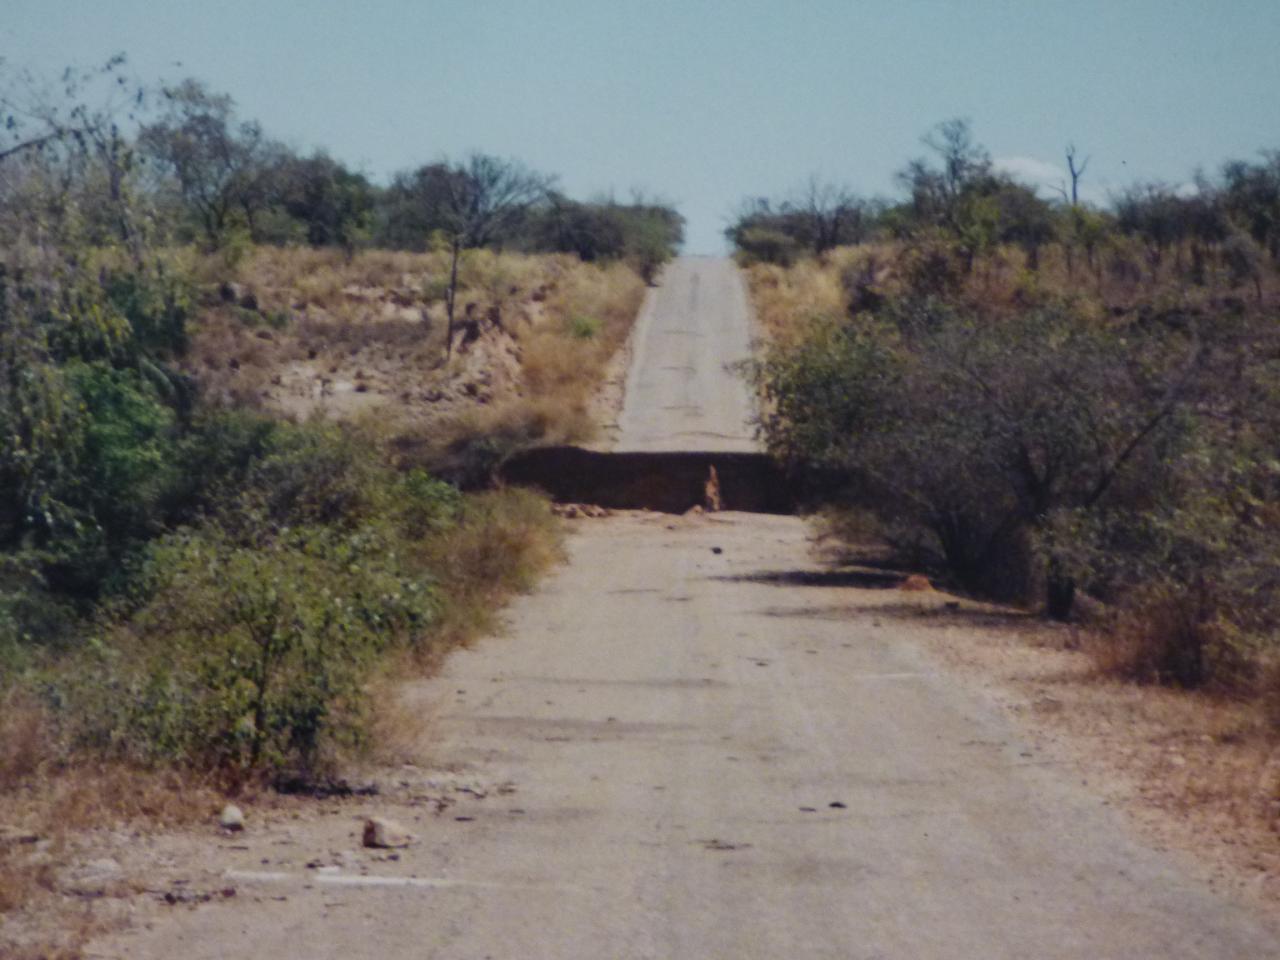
(692,744)
(680,394)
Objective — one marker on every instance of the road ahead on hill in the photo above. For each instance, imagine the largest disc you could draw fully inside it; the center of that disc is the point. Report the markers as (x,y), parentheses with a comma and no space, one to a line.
(694,744)
(681,394)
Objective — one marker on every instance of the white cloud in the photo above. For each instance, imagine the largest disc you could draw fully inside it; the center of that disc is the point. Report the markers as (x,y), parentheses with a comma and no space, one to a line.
(1033,172)
(1051,179)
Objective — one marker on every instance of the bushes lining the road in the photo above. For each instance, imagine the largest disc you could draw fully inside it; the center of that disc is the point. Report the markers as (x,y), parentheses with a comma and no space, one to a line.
(243,643)
(1037,399)
(1035,451)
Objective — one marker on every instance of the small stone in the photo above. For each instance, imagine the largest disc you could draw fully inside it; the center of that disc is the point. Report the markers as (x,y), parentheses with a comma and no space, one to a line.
(231,819)
(381,833)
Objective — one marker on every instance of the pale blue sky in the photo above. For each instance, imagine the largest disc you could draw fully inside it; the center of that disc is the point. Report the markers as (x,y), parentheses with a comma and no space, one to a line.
(706,101)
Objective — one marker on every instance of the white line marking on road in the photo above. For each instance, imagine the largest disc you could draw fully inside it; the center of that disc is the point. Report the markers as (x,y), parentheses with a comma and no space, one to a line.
(354,880)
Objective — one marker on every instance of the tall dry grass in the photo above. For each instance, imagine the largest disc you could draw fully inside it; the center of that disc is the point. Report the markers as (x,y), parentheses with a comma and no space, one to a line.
(535,337)
(1117,278)
(588,318)
(785,297)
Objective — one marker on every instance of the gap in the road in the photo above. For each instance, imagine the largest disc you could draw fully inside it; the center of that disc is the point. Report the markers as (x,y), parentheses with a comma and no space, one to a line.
(668,482)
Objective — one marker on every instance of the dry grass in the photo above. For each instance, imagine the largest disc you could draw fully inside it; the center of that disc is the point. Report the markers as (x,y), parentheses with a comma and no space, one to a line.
(784,298)
(1120,279)
(507,539)
(1163,636)
(25,736)
(58,816)
(1195,771)
(347,338)
(590,317)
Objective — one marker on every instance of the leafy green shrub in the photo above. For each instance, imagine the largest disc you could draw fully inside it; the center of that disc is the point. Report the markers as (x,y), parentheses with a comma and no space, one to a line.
(156,301)
(982,429)
(250,658)
(317,473)
(425,505)
(582,327)
(215,457)
(33,620)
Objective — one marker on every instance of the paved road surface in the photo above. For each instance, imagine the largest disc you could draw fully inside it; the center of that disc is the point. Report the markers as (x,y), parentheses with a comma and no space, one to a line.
(680,396)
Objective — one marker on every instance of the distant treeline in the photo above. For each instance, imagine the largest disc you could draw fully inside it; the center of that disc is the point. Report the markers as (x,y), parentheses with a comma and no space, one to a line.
(212,178)
(959,195)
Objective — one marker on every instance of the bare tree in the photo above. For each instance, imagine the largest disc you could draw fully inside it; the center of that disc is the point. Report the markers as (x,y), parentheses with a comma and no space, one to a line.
(81,122)
(833,213)
(217,163)
(479,200)
(1076,173)
(937,192)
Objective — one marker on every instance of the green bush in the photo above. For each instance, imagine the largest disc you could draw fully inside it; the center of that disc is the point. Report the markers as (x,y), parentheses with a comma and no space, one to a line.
(425,506)
(981,430)
(317,473)
(583,327)
(253,658)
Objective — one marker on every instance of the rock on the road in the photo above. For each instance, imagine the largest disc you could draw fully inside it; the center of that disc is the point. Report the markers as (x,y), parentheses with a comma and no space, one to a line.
(383,833)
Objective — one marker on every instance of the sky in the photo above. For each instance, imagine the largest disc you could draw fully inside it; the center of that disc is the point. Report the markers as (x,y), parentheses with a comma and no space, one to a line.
(706,102)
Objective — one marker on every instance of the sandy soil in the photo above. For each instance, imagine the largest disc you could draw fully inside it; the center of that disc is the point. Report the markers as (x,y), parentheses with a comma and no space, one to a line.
(1192,773)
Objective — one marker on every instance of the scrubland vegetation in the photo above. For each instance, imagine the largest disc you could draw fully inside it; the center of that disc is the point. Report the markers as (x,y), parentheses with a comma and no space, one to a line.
(209,552)
(1045,401)
(364,337)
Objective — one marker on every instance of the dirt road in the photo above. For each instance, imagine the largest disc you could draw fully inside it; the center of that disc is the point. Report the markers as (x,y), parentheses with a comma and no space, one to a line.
(696,744)
(679,395)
